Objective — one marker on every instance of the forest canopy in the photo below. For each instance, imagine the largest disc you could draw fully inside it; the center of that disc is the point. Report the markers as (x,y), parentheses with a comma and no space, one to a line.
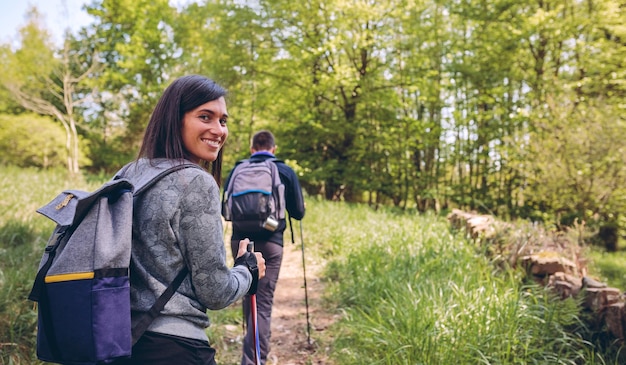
(515,108)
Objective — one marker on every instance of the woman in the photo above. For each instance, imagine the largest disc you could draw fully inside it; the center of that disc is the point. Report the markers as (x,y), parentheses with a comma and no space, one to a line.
(177,224)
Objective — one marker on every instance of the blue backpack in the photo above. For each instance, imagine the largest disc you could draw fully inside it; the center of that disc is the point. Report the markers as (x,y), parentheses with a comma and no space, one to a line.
(82,286)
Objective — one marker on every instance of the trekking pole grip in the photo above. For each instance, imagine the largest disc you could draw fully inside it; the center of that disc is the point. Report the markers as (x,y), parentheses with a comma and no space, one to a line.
(251,263)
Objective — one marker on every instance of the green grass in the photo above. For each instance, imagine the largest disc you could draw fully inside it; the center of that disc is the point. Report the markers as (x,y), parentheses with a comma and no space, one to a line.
(23,236)
(407,288)
(412,292)
(609,267)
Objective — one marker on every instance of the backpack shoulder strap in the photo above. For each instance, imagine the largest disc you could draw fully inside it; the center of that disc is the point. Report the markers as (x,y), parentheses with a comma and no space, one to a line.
(277,183)
(147,317)
(157,175)
(229,187)
(150,177)
(153,173)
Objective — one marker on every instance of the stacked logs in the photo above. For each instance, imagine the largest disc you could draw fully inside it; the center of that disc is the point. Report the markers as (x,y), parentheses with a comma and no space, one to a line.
(551,260)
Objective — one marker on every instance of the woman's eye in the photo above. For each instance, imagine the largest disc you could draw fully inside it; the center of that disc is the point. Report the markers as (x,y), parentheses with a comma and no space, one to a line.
(206,118)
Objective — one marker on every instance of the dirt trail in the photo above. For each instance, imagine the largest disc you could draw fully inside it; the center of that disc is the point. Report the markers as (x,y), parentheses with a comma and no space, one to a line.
(289,345)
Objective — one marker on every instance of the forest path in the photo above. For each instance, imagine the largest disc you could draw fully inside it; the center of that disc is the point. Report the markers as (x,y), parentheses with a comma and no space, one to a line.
(289,342)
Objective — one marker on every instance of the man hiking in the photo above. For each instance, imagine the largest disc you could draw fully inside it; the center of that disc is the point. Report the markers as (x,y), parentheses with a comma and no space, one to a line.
(253,183)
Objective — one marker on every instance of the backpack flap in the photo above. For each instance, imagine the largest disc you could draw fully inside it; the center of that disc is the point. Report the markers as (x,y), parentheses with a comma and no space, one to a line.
(70,206)
(108,228)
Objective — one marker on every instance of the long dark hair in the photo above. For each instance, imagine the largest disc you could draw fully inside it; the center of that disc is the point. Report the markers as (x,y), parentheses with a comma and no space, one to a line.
(163,136)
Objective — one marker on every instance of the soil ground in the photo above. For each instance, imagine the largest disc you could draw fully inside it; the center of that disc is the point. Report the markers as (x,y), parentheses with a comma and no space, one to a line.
(290,339)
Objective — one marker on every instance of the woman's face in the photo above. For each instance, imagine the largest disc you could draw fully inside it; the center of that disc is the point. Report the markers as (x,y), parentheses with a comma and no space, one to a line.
(205,131)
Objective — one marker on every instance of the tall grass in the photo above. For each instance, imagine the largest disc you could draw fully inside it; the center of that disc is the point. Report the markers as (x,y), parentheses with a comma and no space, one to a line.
(23,235)
(410,291)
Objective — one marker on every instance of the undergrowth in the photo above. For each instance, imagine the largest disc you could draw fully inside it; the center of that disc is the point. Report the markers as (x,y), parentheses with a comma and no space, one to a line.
(407,288)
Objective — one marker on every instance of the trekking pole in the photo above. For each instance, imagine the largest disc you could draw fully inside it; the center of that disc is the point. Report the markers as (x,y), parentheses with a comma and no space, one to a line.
(255,323)
(306,296)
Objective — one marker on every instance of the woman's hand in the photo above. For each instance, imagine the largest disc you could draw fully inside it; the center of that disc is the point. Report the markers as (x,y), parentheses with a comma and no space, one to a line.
(260,261)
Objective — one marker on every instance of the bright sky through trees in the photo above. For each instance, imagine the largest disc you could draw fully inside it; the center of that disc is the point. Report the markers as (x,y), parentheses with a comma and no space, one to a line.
(58,15)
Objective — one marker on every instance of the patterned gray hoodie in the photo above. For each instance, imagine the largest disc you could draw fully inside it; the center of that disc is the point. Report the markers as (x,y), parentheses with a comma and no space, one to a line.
(178,222)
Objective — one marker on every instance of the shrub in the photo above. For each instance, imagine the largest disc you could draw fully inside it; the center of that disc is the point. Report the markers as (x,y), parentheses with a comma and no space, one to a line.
(30,140)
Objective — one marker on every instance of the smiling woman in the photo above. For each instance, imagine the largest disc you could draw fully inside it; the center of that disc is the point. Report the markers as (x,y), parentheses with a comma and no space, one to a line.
(205,131)
(203,108)
(181,227)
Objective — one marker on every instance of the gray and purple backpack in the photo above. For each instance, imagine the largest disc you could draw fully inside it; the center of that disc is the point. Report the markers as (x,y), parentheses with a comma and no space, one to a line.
(254,199)
(82,286)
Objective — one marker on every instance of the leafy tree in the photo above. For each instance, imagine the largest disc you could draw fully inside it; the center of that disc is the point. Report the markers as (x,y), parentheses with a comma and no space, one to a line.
(230,42)
(329,61)
(500,106)
(46,83)
(134,41)
(578,165)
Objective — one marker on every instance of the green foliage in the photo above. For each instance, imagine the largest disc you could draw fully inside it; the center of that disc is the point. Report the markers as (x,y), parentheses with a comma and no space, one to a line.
(30,140)
(588,155)
(609,267)
(138,58)
(413,293)
(17,318)
(408,291)
(34,57)
(110,155)
(48,81)
(511,108)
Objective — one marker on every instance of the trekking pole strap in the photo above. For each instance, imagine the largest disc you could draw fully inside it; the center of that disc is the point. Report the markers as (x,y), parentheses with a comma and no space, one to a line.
(293,240)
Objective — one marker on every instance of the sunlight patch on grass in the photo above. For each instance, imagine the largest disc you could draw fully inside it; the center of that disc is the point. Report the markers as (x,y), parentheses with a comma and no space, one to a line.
(609,267)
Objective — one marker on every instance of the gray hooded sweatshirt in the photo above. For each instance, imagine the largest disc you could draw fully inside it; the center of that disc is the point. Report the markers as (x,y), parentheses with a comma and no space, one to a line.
(178,223)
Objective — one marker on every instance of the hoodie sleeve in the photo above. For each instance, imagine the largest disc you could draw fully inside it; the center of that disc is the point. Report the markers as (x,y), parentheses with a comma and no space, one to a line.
(293,191)
(200,235)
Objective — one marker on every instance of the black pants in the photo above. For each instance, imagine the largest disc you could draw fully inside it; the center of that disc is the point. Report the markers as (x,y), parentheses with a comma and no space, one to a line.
(273,255)
(159,349)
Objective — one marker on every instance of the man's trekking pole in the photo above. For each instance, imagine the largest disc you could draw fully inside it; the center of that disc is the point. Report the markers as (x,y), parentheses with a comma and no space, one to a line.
(306,296)
(255,323)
